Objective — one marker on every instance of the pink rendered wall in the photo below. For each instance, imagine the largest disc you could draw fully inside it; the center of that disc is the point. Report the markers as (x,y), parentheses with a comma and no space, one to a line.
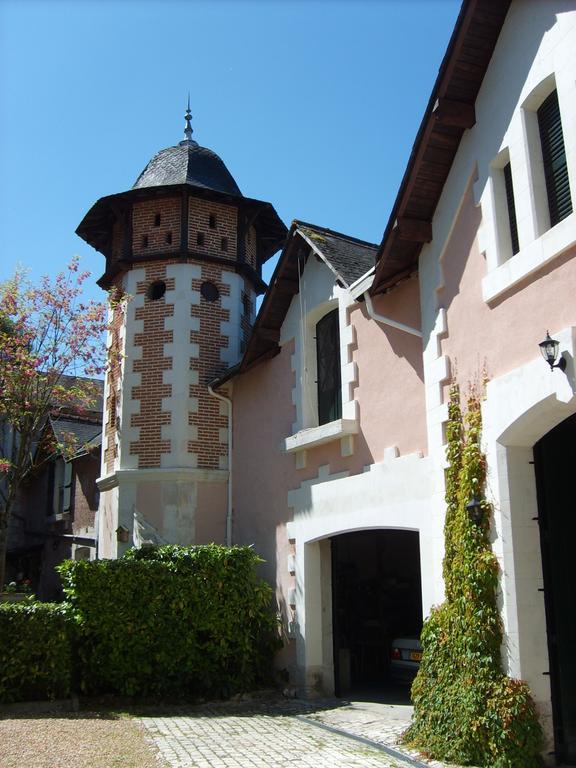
(262,473)
(390,389)
(504,334)
(390,393)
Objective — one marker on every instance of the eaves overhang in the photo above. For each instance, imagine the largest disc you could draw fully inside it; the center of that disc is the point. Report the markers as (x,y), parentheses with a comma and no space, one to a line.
(96,225)
(450,112)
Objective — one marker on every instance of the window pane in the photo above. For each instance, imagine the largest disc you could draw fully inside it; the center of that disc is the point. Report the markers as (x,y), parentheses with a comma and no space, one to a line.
(328,368)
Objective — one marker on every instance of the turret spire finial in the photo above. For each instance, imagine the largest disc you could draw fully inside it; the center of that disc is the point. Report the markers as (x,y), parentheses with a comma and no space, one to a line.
(188,117)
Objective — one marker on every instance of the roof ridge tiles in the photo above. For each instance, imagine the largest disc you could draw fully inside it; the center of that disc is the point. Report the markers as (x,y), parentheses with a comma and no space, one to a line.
(333,232)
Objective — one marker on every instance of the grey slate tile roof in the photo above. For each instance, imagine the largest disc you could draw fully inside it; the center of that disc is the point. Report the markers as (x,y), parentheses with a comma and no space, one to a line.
(86,433)
(349,257)
(188,163)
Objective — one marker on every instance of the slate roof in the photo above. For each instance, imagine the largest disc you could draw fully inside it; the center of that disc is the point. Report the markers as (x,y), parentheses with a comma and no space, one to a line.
(86,433)
(349,257)
(188,163)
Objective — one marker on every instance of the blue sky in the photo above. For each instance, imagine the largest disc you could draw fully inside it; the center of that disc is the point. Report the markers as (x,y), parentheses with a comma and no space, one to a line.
(313,106)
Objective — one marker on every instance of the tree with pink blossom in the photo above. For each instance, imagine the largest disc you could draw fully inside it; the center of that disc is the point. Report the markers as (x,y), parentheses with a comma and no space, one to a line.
(50,342)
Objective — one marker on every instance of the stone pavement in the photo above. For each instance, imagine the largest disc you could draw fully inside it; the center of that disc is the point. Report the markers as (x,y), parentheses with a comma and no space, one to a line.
(284,733)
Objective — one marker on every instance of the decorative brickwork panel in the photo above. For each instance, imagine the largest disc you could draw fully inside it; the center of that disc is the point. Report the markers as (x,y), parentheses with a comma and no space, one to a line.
(156,226)
(212,228)
(114,376)
(151,365)
(251,248)
(247,315)
(210,422)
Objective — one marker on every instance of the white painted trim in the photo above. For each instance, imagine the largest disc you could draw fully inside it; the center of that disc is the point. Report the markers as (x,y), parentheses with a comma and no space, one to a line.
(529,259)
(388,320)
(161,474)
(361,285)
(325,433)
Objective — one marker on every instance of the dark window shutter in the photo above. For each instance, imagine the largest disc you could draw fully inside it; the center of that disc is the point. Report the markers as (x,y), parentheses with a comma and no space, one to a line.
(511,208)
(67,487)
(554,156)
(328,367)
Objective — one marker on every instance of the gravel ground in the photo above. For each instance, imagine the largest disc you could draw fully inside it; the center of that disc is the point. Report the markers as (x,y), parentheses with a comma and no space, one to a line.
(83,740)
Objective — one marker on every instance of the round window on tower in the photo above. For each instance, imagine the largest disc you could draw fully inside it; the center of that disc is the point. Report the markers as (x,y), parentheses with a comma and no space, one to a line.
(156,290)
(209,291)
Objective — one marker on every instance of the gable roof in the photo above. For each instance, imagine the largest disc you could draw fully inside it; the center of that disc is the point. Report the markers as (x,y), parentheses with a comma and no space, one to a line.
(449,113)
(348,259)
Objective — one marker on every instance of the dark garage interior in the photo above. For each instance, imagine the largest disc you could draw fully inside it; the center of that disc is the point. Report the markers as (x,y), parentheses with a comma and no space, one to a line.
(376,594)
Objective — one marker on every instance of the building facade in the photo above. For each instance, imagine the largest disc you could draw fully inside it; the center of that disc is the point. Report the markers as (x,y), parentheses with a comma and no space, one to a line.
(315,431)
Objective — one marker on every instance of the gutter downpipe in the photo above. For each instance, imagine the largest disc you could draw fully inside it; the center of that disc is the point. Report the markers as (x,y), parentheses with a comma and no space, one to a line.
(228,402)
(387,320)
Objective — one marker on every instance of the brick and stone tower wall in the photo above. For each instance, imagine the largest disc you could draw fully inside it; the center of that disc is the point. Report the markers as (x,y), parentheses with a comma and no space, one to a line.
(183,254)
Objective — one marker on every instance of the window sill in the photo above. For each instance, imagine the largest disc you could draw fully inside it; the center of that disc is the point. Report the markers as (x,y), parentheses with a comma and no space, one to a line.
(537,254)
(326,433)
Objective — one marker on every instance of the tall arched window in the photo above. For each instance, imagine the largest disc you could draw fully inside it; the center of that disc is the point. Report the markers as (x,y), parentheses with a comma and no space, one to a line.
(328,368)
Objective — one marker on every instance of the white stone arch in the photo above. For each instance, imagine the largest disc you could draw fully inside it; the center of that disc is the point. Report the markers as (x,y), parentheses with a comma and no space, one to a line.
(520,408)
(393,495)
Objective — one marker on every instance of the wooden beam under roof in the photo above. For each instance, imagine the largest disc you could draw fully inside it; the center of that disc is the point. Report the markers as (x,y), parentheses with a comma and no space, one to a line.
(448,114)
(456,113)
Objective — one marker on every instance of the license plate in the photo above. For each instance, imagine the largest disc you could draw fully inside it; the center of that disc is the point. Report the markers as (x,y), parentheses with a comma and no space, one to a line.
(416,655)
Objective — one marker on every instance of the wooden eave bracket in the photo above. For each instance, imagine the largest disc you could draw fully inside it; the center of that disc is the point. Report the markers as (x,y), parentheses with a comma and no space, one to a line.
(269,334)
(457,114)
(413,230)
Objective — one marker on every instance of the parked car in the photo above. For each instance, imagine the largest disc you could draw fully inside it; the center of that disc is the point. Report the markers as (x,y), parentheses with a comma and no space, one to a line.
(405,655)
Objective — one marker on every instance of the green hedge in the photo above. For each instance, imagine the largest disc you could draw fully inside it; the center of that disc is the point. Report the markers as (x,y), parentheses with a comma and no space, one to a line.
(466,710)
(35,652)
(171,621)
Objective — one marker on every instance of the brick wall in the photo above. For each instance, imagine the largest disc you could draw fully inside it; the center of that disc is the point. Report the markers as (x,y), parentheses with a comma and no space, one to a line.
(209,420)
(152,235)
(151,365)
(225,221)
(111,404)
(85,493)
(251,249)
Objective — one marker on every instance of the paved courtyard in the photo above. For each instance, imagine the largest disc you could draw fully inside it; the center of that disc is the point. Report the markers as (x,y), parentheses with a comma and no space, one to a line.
(284,734)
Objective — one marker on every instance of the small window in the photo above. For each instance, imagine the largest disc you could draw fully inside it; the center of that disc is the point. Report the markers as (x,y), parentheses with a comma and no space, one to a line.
(209,291)
(157,219)
(554,158)
(212,221)
(199,238)
(511,208)
(224,244)
(328,368)
(168,238)
(156,290)
(145,241)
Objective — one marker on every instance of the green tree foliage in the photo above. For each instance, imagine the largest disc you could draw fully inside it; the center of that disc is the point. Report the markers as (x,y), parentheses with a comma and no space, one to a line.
(466,710)
(47,336)
(35,653)
(172,621)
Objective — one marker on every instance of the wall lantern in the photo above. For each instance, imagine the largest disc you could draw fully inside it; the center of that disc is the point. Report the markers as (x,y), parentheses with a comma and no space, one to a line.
(474,509)
(122,534)
(549,348)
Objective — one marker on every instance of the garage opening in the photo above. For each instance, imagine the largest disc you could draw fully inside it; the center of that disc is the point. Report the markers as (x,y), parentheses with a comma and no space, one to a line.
(376,602)
(555,459)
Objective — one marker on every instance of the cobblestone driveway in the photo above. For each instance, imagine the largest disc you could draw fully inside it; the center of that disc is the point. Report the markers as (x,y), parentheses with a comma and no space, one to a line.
(281,735)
